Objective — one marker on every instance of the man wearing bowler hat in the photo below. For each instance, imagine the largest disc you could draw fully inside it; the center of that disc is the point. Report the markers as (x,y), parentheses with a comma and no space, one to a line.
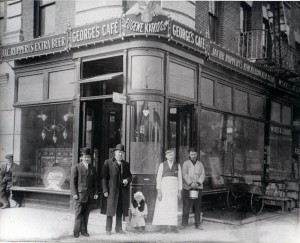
(116,177)
(83,190)
(8,175)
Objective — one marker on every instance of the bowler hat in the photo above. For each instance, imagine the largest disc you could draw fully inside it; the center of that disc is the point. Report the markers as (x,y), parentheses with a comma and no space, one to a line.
(8,156)
(86,151)
(120,147)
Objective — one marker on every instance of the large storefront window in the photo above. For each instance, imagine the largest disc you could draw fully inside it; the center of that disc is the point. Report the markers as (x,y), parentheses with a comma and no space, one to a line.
(230,145)
(146,136)
(249,147)
(46,146)
(280,166)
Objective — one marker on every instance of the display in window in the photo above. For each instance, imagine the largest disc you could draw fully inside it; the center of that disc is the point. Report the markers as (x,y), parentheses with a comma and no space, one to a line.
(145,146)
(46,137)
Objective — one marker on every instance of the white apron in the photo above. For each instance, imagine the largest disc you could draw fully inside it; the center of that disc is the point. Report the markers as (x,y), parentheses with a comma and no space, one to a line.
(165,212)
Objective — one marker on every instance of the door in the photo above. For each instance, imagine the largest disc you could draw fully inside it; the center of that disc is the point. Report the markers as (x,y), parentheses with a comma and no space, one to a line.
(180,126)
(180,135)
(101,126)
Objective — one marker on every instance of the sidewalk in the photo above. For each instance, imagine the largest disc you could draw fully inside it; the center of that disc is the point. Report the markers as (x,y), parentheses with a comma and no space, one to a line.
(39,225)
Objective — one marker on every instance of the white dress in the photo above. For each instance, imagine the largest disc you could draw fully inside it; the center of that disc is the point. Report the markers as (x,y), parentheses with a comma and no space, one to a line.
(166,210)
(137,218)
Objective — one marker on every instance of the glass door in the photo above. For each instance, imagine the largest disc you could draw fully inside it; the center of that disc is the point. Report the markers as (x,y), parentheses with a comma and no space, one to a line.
(180,127)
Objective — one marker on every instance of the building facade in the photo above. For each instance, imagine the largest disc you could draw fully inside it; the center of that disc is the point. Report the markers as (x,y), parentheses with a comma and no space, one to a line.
(153,75)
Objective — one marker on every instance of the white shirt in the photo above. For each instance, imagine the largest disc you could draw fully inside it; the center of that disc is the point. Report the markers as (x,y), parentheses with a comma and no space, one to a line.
(85,164)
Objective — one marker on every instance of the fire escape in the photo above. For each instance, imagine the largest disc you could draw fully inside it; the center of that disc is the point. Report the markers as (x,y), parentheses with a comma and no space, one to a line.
(270,47)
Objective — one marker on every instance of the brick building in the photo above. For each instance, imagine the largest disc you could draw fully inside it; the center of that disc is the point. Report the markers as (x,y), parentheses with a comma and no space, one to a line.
(221,76)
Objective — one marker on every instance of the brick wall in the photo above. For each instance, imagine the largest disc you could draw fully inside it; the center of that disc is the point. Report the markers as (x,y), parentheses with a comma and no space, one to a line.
(201,19)
(229,25)
(28,19)
(65,14)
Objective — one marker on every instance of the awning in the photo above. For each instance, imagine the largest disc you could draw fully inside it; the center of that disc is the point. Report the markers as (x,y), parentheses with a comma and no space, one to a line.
(103,77)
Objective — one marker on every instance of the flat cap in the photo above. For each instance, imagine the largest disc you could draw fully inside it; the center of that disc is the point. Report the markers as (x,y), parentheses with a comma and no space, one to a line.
(8,156)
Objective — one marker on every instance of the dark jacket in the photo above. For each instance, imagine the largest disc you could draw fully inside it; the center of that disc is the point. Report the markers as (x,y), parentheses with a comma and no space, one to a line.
(83,182)
(9,181)
(112,178)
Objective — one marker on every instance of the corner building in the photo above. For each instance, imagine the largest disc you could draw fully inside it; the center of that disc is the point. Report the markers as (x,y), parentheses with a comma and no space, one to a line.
(221,76)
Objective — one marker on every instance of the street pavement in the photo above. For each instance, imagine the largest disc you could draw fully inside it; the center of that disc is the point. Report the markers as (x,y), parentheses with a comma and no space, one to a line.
(26,224)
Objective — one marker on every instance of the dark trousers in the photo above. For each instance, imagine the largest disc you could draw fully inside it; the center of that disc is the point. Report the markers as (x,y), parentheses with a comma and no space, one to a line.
(187,202)
(82,212)
(119,213)
(4,195)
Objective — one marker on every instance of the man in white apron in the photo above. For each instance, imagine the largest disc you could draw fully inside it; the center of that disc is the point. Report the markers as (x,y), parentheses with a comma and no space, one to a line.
(169,186)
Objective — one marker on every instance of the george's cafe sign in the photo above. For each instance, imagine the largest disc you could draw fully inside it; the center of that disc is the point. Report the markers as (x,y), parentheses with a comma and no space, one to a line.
(131,25)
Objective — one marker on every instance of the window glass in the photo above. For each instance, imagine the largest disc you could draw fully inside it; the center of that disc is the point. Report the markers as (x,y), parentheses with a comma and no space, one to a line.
(60,84)
(224,97)
(30,88)
(216,142)
(280,153)
(207,91)
(181,80)
(256,106)
(249,147)
(275,111)
(46,146)
(47,19)
(146,136)
(241,101)
(286,115)
(147,72)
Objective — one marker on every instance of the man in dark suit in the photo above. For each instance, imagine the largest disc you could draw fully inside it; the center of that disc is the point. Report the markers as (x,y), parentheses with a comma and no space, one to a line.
(83,189)
(8,176)
(116,177)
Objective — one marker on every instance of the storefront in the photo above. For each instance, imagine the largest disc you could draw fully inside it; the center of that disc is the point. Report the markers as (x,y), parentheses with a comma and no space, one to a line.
(151,86)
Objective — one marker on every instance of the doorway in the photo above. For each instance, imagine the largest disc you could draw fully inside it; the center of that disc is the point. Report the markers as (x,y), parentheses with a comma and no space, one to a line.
(101,129)
(180,129)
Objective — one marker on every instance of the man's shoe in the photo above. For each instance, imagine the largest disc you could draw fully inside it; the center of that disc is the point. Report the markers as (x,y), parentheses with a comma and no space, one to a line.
(199,227)
(163,231)
(176,230)
(108,232)
(76,234)
(5,206)
(85,234)
(182,227)
(121,232)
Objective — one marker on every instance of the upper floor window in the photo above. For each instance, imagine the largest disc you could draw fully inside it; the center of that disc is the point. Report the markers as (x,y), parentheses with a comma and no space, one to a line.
(245,17)
(213,20)
(45,17)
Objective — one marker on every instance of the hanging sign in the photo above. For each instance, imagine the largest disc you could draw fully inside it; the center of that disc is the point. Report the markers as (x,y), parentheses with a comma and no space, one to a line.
(233,61)
(36,47)
(281,130)
(188,37)
(288,86)
(133,25)
(94,33)
(119,98)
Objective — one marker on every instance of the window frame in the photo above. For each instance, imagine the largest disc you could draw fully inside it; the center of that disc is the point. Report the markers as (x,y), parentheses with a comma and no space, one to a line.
(37,16)
(282,105)
(213,16)
(245,17)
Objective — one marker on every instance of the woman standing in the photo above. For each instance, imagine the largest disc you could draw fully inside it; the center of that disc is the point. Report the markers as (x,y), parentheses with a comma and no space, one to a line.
(169,186)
